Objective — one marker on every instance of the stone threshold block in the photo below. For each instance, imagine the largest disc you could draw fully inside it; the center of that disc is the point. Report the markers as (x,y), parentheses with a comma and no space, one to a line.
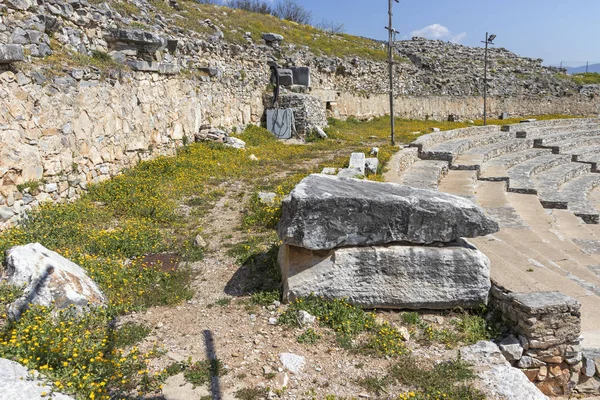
(393,276)
(324,212)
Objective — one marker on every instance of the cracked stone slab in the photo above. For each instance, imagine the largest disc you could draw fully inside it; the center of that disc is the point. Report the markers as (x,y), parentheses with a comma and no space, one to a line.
(325,212)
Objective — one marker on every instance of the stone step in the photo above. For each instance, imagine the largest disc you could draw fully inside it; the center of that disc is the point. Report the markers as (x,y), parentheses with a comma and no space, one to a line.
(575,194)
(424,142)
(400,162)
(590,157)
(543,128)
(546,140)
(549,182)
(521,175)
(449,150)
(520,272)
(475,157)
(425,174)
(561,146)
(496,168)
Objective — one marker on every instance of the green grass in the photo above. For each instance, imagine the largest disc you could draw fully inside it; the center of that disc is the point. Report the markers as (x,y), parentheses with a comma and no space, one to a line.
(309,336)
(589,78)
(447,380)
(321,43)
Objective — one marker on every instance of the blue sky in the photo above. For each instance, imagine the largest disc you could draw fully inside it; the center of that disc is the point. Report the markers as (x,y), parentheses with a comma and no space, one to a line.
(555,30)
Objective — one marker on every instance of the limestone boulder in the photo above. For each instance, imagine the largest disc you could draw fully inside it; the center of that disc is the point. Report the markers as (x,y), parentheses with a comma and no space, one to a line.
(496,378)
(393,276)
(325,212)
(17,384)
(48,277)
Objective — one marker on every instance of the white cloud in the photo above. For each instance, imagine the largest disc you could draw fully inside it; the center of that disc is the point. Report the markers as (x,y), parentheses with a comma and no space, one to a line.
(458,38)
(437,31)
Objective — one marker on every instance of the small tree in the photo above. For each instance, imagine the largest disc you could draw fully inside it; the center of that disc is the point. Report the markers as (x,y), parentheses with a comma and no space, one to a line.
(256,6)
(330,27)
(292,11)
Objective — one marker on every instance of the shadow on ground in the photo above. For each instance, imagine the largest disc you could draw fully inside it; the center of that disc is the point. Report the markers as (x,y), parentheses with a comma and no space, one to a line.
(258,273)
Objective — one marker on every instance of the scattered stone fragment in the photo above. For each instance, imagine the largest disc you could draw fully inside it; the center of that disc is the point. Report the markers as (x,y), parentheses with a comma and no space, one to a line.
(320,132)
(253,157)
(404,333)
(292,362)
(50,279)
(329,171)
(235,143)
(267,197)
(272,321)
(511,348)
(371,165)
(199,241)
(374,151)
(305,318)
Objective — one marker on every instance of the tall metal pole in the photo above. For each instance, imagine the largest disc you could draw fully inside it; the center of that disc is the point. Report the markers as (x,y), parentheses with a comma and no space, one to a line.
(485,81)
(391,67)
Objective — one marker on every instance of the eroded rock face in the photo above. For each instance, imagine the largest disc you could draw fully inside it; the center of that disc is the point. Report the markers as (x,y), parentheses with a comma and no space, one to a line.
(389,276)
(48,277)
(325,212)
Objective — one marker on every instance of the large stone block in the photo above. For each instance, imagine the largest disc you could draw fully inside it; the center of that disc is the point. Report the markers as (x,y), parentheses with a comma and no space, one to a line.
(325,212)
(286,77)
(11,53)
(389,276)
(49,279)
(301,75)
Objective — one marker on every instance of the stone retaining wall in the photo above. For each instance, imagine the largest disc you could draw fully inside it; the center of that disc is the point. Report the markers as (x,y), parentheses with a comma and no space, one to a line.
(545,341)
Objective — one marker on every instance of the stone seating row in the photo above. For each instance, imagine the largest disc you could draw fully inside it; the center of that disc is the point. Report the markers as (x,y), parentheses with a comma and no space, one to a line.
(554,160)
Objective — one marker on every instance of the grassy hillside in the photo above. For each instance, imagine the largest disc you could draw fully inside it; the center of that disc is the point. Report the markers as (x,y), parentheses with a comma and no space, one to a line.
(235,23)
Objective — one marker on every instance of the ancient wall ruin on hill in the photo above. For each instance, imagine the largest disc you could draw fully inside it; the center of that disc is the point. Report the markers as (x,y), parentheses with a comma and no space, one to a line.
(149,85)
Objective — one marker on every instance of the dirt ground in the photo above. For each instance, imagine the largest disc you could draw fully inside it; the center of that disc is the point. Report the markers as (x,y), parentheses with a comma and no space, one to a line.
(242,338)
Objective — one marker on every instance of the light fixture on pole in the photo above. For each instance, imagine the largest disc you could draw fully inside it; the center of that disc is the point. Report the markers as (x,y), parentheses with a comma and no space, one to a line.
(391,32)
(488,40)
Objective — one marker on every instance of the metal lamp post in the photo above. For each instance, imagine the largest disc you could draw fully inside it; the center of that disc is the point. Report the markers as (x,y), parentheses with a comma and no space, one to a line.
(488,40)
(391,32)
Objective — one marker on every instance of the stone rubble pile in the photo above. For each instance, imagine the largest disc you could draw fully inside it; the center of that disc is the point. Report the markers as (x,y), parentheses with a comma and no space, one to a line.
(210,134)
(382,245)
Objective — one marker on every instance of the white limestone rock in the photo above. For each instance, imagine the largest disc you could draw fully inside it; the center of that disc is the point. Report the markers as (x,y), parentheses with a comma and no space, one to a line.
(497,379)
(325,212)
(16,384)
(292,362)
(390,276)
(511,348)
(48,277)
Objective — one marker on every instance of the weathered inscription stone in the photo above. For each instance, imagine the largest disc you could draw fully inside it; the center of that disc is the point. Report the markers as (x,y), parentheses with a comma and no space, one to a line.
(324,212)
